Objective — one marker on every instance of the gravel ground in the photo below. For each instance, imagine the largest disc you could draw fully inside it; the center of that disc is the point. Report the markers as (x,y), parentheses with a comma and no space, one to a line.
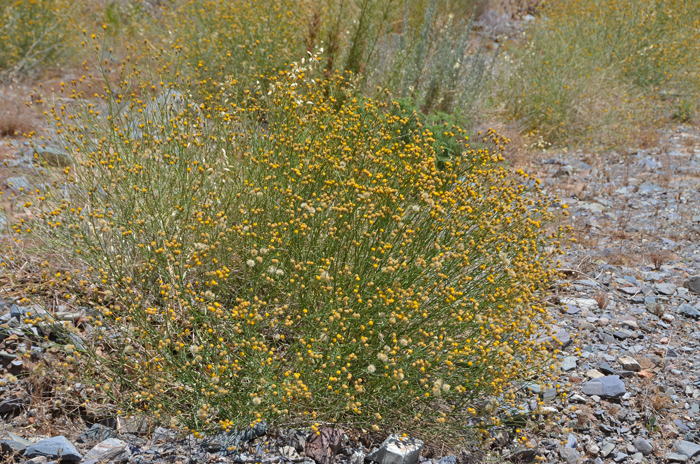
(627,311)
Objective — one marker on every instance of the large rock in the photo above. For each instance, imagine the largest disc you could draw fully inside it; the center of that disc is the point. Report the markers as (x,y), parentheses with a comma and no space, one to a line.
(96,433)
(687,310)
(54,157)
(630,364)
(643,446)
(111,449)
(693,284)
(54,448)
(323,446)
(396,450)
(18,183)
(609,386)
(687,448)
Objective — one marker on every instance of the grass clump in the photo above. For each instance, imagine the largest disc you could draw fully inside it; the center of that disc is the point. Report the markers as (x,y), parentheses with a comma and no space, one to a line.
(33,33)
(593,70)
(297,256)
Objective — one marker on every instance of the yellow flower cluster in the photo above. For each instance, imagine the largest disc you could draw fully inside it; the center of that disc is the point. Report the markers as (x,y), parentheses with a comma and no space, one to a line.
(295,254)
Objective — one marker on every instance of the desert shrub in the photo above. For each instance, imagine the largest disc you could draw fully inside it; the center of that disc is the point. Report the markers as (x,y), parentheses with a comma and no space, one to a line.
(591,66)
(290,257)
(33,32)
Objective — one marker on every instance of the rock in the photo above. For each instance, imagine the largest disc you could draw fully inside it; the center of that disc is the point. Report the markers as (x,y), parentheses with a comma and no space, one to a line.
(523,455)
(607,387)
(395,450)
(687,310)
(323,447)
(17,184)
(560,338)
(11,405)
(630,364)
(11,447)
(568,363)
(571,441)
(594,374)
(607,449)
(665,289)
(111,449)
(290,453)
(54,157)
(570,455)
(134,426)
(629,290)
(592,449)
(98,433)
(449,459)
(687,448)
(54,448)
(643,446)
(693,284)
(676,457)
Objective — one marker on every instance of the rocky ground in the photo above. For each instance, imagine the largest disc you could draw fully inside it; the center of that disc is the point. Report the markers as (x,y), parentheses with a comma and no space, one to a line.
(627,311)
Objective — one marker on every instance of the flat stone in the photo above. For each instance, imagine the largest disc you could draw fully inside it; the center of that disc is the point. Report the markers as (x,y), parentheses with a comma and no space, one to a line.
(687,448)
(630,364)
(693,284)
(568,363)
(584,303)
(594,374)
(607,449)
(395,450)
(665,289)
(643,446)
(606,387)
(523,455)
(629,290)
(18,183)
(98,433)
(54,448)
(11,447)
(676,457)
(570,455)
(11,405)
(54,157)
(560,338)
(688,311)
(111,449)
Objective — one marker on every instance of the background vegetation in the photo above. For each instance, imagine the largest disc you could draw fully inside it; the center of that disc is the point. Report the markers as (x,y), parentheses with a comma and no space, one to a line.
(286,211)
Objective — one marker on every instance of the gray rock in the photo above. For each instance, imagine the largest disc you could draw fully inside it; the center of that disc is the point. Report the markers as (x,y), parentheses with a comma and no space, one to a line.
(395,450)
(643,446)
(449,459)
(54,448)
(111,449)
(18,183)
(571,441)
(676,457)
(11,405)
(570,455)
(665,289)
(693,284)
(98,433)
(606,387)
(568,363)
(11,447)
(687,310)
(630,364)
(687,448)
(607,449)
(54,157)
